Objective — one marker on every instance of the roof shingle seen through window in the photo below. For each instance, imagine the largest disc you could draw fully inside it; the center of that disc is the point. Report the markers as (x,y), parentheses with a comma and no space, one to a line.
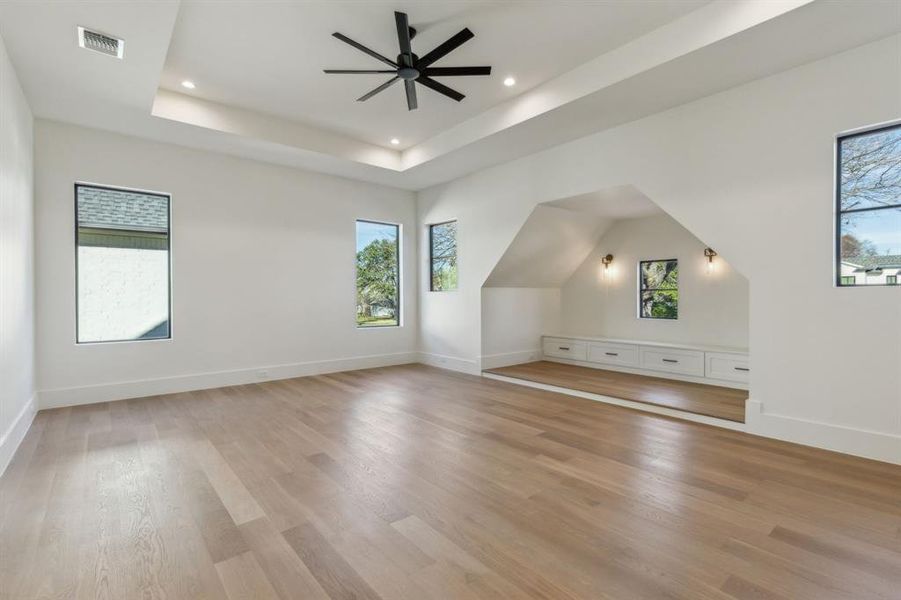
(885,261)
(103,208)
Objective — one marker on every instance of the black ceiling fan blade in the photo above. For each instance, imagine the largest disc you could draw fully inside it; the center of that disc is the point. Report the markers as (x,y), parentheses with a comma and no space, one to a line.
(450,45)
(455,71)
(411,94)
(441,88)
(403,38)
(382,87)
(356,71)
(363,48)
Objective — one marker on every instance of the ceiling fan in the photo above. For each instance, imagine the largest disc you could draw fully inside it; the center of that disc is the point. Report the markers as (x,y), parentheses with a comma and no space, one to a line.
(411,68)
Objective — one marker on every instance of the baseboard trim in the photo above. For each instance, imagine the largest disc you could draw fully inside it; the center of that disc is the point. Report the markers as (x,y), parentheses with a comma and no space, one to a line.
(648,408)
(865,443)
(505,359)
(453,363)
(107,392)
(15,433)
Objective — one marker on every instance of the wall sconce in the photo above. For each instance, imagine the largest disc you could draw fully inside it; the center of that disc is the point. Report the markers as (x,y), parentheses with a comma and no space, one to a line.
(710,253)
(606,261)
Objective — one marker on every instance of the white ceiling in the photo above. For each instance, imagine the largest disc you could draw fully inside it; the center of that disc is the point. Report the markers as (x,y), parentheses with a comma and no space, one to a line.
(620,202)
(42,42)
(558,235)
(548,248)
(268,57)
(582,67)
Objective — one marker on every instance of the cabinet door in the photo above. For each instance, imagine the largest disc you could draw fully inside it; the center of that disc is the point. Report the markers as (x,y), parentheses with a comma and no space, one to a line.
(623,355)
(563,348)
(684,362)
(728,367)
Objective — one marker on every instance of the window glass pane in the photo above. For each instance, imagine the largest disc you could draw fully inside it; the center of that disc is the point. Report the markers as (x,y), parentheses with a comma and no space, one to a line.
(662,304)
(869,219)
(871,169)
(659,274)
(378,274)
(122,265)
(443,253)
(659,289)
(444,274)
(870,246)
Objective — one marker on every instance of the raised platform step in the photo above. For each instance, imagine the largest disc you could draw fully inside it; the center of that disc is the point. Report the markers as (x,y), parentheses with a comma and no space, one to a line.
(697,398)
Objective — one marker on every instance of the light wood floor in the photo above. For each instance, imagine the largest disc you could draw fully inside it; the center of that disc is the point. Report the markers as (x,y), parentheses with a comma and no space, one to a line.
(417,483)
(711,400)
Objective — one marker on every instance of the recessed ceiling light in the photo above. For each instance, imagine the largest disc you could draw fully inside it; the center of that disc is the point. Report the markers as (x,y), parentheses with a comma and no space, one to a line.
(395,141)
(188,84)
(509,82)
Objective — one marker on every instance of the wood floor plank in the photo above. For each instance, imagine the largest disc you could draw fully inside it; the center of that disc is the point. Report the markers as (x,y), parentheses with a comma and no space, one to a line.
(329,568)
(234,495)
(244,579)
(416,483)
(288,575)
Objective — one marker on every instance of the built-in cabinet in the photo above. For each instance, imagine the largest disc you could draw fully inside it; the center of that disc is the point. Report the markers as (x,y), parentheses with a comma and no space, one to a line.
(563,348)
(623,355)
(709,364)
(727,366)
(673,360)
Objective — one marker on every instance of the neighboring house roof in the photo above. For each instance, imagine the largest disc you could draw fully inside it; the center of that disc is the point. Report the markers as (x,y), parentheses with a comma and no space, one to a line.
(885,261)
(118,209)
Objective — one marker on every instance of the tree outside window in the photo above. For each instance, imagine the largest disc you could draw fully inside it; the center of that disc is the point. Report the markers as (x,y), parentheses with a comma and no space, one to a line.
(658,289)
(443,256)
(869,208)
(378,274)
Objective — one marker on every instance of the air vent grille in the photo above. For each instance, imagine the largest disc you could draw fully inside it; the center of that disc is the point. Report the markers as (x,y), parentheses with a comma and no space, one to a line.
(100,42)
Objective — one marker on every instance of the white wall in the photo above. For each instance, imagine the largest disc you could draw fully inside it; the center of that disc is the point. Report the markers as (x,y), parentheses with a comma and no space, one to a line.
(16,263)
(262,268)
(713,308)
(750,171)
(513,321)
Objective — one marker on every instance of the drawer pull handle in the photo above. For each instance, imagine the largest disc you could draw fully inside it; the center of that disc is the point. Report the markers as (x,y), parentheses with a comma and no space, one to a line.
(562,347)
(670,360)
(611,353)
(742,369)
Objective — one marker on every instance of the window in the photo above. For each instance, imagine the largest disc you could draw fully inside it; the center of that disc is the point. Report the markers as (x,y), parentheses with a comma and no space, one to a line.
(443,256)
(121,265)
(378,274)
(868,211)
(658,289)
(891,280)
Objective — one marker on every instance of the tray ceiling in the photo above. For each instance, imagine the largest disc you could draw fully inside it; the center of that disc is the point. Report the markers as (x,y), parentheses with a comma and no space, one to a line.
(581,67)
(268,57)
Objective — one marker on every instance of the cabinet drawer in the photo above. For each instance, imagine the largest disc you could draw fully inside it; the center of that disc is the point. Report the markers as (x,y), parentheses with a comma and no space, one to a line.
(563,348)
(685,362)
(729,367)
(624,355)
